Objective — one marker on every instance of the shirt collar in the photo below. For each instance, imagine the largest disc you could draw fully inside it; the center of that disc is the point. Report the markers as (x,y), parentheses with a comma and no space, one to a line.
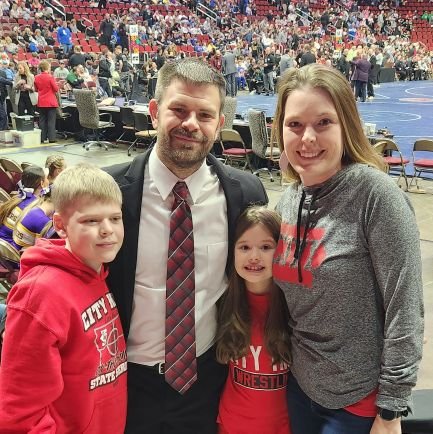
(165,180)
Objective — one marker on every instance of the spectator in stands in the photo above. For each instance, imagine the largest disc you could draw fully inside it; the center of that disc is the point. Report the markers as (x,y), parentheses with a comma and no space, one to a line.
(286,61)
(268,71)
(73,26)
(357,336)
(124,67)
(10,47)
(307,56)
(40,40)
(33,180)
(24,86)
(61,71)
(159,58)
(4,82)
(33,63)
(35,222)
(49,37)
(16,11)
(47,12)
(105,68)
(47,88)
(30,40)
(64,37)
(229,71)
(360,76)
(255,79)
(106,31)
(216,61)
(372,79)
(77,58)
(55,164)
(401,68)
(75,77)
(342,64)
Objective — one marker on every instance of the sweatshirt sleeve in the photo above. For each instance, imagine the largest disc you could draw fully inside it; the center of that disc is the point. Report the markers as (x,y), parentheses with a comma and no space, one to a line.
(393,241)
(30,375)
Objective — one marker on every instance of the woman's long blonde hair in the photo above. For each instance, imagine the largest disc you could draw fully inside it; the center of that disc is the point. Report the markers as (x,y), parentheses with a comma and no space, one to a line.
(356,147)
(26,68)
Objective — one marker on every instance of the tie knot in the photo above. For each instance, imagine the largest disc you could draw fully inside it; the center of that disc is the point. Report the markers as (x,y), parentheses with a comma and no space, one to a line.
(181,190)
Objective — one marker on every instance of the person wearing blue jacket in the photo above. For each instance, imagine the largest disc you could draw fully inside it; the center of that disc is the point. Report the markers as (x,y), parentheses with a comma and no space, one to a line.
(64,37)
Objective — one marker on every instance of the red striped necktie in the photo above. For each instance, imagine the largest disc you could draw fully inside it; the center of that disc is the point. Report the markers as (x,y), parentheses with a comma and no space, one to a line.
(180,348)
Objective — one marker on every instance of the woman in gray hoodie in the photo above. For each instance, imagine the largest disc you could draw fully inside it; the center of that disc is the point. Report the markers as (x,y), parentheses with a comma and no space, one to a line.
(348,261)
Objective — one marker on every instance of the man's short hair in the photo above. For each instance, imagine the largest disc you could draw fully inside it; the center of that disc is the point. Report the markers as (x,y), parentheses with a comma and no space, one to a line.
(83,181)
(192,71)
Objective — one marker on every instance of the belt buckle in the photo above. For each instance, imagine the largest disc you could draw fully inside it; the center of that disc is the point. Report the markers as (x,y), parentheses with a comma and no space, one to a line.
(161,368)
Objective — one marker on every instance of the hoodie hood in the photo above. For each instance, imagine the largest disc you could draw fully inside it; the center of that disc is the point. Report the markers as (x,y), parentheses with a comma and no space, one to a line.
(53,253)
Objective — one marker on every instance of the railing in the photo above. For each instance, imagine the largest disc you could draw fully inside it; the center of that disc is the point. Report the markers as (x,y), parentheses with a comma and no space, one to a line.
(208,12)
(303,15)
(57,7)
(88,25)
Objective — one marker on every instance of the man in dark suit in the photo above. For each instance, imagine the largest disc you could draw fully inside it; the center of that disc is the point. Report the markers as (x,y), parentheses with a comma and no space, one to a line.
(106,31)
(229,70)
(187,113)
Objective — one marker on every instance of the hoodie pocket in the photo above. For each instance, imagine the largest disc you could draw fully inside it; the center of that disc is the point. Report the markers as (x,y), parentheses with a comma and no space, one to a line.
(109,415)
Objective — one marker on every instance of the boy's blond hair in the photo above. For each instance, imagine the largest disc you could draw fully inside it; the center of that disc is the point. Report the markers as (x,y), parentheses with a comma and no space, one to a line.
(84,181)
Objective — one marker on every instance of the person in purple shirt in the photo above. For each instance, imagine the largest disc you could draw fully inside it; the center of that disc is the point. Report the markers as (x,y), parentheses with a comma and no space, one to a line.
(33,180)
(35,223)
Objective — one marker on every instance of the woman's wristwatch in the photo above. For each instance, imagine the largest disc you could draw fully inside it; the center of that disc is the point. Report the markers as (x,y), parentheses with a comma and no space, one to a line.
(386,414)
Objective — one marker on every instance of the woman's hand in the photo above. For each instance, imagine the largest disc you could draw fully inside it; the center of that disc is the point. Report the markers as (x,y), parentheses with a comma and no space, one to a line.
(382,426)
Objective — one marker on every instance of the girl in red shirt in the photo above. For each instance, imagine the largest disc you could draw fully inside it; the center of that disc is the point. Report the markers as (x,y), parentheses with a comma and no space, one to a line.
(253,333)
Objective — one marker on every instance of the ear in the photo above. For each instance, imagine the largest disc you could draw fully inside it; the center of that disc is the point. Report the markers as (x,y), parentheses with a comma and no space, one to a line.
(59,225)
(153,111)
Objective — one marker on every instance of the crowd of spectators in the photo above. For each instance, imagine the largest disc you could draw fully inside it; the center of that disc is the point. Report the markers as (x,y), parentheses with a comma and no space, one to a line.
(333,33)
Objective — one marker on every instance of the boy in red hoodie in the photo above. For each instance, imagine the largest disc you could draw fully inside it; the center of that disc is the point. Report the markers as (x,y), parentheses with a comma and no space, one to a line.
(63,367)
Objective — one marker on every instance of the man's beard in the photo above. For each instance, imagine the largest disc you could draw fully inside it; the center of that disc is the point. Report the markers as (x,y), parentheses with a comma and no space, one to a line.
(187,155)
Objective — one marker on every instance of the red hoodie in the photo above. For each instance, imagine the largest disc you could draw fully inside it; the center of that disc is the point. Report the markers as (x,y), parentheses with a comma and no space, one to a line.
(64,355)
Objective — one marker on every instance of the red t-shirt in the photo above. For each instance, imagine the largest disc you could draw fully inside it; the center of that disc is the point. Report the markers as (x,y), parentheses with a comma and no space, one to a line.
(254,398)
(366,407)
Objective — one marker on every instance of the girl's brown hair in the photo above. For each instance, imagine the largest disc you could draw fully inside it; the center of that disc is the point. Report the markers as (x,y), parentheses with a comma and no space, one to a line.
(234,322)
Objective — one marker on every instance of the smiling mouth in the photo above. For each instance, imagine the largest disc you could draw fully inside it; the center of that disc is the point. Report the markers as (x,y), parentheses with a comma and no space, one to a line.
(254,268)
(187,139)
(310,155)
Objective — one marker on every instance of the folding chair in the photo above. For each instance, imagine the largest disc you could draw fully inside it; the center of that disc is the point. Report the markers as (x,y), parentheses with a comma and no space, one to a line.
(13,168)
(386,147)
(6,181)
(263,148)
(422,164)
(234,149)
(127,117)
(142,131)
